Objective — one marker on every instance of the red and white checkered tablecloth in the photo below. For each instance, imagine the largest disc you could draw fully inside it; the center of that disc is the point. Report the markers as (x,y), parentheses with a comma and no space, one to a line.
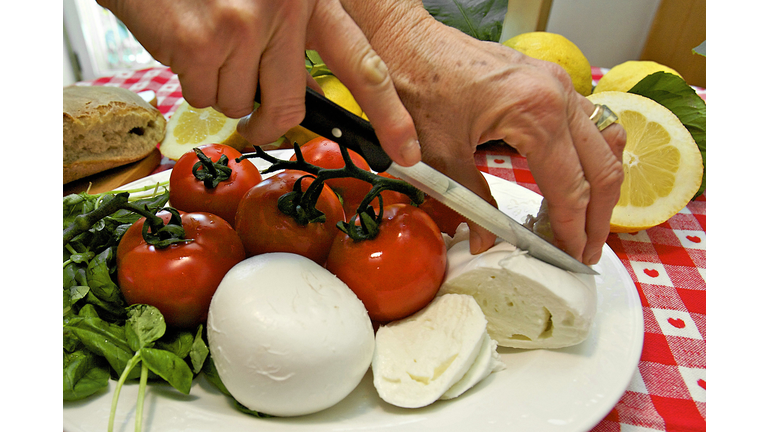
(667,264)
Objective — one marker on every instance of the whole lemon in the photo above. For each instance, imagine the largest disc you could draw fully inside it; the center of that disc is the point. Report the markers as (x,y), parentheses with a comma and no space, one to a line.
(557,49)
(624,76)
(338,93)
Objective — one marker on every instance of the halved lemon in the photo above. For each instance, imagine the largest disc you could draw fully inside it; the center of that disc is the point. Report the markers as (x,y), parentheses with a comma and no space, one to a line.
(662,164)
(191,127)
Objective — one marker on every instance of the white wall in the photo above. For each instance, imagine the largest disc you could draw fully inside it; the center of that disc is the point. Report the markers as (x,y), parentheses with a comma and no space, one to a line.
(608,32)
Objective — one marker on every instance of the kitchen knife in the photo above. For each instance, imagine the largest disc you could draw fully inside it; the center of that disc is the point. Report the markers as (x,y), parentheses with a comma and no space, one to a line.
(335,123)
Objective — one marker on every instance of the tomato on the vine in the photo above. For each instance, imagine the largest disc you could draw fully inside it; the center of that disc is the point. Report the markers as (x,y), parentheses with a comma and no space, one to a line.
(446,218)
(263,227)
(209,188)
(325,153)
(397,272)
(179,279)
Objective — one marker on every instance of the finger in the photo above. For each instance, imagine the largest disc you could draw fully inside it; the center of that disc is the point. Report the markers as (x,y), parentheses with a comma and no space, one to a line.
(460,166)
(557,171)
(198,84)
(343,46)
(600,156)
(238,80)
(282,84)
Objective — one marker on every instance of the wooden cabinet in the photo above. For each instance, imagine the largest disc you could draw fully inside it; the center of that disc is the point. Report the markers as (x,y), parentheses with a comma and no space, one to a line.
(679,26)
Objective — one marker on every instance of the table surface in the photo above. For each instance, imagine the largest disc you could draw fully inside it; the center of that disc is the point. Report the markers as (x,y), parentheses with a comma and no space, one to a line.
(667,264)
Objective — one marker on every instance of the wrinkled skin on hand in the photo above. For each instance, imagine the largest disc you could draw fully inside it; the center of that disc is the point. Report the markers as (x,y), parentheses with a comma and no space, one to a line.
(462,92)
(222,49)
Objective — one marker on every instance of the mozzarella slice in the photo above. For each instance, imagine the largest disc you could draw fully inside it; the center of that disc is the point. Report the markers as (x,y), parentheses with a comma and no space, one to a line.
(528,303)
(487,362)
(287,337)
(419,358)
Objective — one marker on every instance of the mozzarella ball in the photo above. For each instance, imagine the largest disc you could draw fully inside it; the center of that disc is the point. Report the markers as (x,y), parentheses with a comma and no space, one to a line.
(287,337)
(528,303)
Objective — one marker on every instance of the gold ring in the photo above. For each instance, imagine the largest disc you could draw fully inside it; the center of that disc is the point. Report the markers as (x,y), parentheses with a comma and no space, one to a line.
(603,117)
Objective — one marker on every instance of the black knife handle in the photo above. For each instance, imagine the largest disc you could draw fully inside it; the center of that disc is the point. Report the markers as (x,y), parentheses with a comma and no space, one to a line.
(331,121)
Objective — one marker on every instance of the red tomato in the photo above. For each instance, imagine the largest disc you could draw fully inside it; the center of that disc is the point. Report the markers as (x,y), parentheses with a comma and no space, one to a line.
(325,153)
(264,228)
(400,270)
(446,218)
(180,279)
(190,194)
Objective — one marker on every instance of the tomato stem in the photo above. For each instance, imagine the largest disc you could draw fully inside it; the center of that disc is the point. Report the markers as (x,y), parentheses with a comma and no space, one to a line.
(302,206)
(209,172)
(350,170)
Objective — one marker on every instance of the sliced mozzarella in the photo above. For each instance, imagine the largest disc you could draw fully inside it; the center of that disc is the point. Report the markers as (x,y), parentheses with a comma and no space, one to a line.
(487,362)
(419,358)
(528,303)
(287,337)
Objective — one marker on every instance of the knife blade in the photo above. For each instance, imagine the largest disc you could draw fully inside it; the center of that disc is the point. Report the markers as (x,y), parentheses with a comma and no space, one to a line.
(329,120)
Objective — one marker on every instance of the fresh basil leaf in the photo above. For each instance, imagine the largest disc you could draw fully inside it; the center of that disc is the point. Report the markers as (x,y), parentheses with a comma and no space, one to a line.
(212,375)
(481,19)
(84,375)
(145,325)
(74,274)
(77,204)
(247,410)
(169,367)
(111,312)
(199,351)
(103,339)
(78,292)
(178,342)
(677,96)
(100,277)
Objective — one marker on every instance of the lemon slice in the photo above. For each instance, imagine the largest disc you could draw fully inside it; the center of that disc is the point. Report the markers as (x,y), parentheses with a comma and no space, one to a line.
(662,164)
(191,127)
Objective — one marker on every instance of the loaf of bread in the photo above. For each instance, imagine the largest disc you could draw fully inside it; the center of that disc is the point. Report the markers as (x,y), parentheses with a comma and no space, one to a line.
(107,127)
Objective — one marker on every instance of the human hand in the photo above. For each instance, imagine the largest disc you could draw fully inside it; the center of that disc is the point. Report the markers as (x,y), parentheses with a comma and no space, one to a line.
(463,92)
(223,51)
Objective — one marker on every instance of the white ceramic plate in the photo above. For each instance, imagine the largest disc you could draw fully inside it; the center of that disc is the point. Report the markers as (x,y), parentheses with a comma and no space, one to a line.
(569,389)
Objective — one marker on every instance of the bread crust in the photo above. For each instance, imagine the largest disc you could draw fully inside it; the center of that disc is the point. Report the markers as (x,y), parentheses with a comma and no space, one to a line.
(106,127)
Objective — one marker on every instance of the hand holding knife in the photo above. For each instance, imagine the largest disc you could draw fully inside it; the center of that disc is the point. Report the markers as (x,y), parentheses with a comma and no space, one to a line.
(333,122)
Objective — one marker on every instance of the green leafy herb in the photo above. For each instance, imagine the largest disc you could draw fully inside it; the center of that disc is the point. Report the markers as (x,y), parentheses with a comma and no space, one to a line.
(84,374)
(102,336)
(676,95)
(482,20)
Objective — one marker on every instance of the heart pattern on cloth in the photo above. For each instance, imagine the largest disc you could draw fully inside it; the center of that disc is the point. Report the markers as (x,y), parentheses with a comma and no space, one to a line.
(702,384)
(499,161)
(676,322)
(693,239)
(651,272)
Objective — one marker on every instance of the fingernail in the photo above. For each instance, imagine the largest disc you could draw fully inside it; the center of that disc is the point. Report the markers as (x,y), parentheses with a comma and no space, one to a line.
(411,152)
(593,259)
(375,69)
(474,242)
